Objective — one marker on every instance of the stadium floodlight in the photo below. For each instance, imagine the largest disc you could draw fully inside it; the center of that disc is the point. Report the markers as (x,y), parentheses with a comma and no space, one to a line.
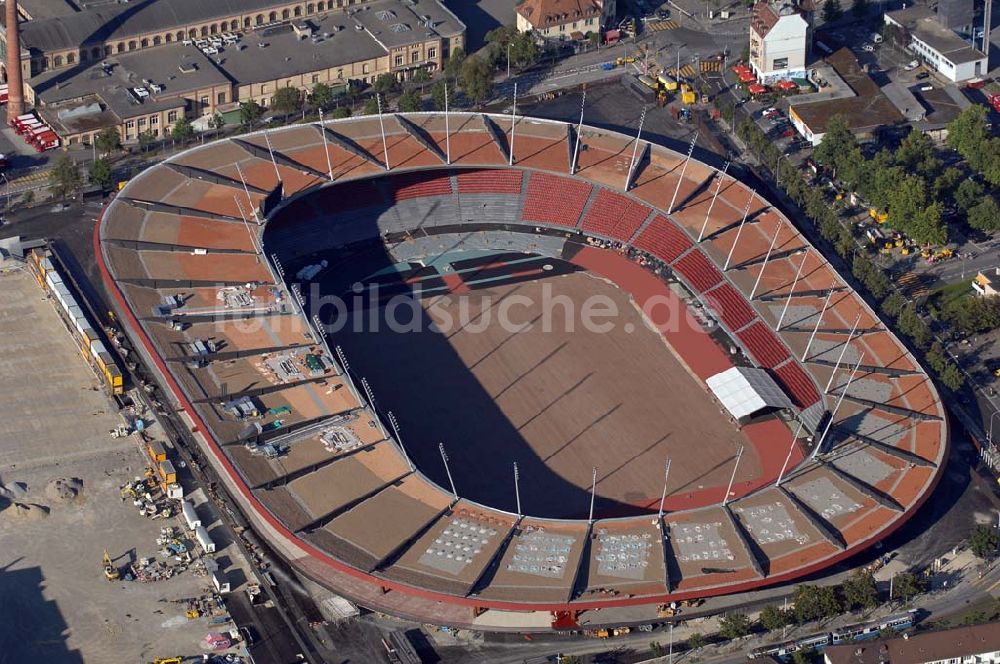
(718,187)
(836,409)
(326,145)
(593,491)
(767,257)
(246,224)
(791,291)
(739,231)
(517,490)
(663,496)
(444,458)
(395,428)
(670,208)
(791,447)
(819,321)
(447,127)
(267,139)
(843,350)
(635,151)
(381,126)
(579,131)
(729,489)
(513,120)
(343,358)
(246,189)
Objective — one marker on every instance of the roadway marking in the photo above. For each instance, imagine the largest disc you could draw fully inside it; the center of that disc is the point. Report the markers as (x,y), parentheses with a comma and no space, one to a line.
(660,26)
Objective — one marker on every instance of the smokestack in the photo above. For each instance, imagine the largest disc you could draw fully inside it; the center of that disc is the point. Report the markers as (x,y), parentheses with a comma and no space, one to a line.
(15,86)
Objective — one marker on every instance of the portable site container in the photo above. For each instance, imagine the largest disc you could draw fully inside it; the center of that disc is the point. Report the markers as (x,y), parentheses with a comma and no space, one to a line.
(96,349)
(52,278)
(156,452)
(167,472)
(46,264)
(113,376)
(204,540)
(190,516)
(104,361)
(220,582)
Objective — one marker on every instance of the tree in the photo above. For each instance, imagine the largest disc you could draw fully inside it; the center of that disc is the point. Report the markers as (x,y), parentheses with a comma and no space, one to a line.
(734,626)
(287,100)
(804,656)
(108,140)
(860,591)
(454,64)
(914,149)
(838,140)
(832,10)
(340,112)
(182,130)
(772,618)
(371,106)
(250,113)
(321,95)
(438,92)
(860,8)
(968,194)
(146,138)
(64,178)
(420,76)
(410,102)
(983,541)
(985,216)
(28,198)
(815,602)
(656,649)
(385,83)
(906,585)
(946,184)
(697,640)
(100,172)
(216,122)
(477,79)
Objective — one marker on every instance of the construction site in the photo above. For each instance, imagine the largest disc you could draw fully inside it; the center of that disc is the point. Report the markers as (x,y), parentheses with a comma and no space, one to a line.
(103,558)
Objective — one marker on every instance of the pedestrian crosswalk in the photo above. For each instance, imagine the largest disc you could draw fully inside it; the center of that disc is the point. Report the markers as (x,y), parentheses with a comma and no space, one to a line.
(687,71)
(710,66)
(913,285)
(660,26)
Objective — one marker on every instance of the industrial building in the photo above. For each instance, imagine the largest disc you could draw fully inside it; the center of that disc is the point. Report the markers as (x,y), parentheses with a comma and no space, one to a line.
(928,35)
(141,68)
(780,39)
(978,643)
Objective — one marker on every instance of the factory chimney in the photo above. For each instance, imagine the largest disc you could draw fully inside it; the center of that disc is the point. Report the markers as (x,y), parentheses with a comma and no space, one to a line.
(15,86)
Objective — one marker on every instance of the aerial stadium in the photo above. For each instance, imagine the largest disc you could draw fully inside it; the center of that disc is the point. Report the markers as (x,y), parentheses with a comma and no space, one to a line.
(739,418)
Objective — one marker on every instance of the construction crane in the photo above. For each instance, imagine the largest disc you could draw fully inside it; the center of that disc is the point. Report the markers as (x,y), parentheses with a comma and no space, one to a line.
(110,571)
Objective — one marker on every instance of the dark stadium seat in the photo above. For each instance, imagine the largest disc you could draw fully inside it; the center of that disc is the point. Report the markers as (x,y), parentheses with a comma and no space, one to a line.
(615,216)
(555,200)
(795,381)
(698,271)
(663,239)
(730,306)
(761,343)
(349,196)
(489,182)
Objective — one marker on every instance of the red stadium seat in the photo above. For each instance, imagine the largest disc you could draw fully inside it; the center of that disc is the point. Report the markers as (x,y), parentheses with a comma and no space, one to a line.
(555,200)
(763,346)
(699,272)
(730,306)
(615,216)
(489,182)
(663,239)
(419,185)
(798,385)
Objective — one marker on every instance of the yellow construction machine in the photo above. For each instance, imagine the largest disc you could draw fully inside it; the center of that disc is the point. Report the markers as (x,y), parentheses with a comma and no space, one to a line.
(110,571)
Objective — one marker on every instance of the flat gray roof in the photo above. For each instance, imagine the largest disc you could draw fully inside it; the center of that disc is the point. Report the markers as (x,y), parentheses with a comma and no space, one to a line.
(921,23)
(285,54)
(161,65)
(395,23)
(39,9)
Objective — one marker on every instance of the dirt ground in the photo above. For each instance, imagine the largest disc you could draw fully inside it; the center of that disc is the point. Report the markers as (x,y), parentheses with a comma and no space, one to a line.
(56,604)
(559,400)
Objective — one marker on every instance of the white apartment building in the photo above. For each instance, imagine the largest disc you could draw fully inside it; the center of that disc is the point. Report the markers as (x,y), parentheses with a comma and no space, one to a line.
(780,36)
(939,48)
(563,19)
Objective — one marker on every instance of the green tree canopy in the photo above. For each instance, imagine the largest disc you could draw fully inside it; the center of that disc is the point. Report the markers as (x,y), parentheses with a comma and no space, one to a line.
(99,172)
(968,194)
(216,122)
(837,141)
(340,112)
(371,106)
(287,100)
(477,79)
(420,76)
(772,618)
(385,83)
(182,130)
(860,591)
(734,626)
(146,138)
(983,541)
(321,96)
(968,131)
(815,602)
(906,585)
(438,92)
(832,10)
(985,216)
(697,640)
(914,149)
(108,140)
(453,66)
(250,113)
(410,102)
(64,178)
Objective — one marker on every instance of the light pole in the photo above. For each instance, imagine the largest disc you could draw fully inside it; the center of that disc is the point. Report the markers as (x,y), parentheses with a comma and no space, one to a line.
(6,188)
(508,59)
(988,437)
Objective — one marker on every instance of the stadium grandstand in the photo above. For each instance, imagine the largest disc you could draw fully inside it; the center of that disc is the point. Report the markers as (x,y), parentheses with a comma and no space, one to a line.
(337,444)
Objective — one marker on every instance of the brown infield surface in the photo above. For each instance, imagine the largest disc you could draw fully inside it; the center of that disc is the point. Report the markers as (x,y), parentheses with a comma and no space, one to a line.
(554,396)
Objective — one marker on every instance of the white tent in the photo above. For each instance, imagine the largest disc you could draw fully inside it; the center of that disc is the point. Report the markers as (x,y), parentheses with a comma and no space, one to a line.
(745,391)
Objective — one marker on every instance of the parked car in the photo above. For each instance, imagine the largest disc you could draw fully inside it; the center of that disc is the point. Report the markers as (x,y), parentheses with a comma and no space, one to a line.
(922,75)
(913,64)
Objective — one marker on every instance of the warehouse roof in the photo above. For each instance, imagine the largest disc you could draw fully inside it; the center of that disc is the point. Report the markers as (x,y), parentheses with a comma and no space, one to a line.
(395,23)
(922,24)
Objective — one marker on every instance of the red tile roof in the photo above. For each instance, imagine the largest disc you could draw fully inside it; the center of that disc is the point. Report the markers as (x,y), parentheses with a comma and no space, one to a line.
(545,13)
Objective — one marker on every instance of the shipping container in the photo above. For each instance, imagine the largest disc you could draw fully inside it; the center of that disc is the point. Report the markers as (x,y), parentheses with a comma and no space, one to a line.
(113,376)
(104,361)
(206,542)
(97,348)
(220,582)
(157,452)
(190,516)
(167,472)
